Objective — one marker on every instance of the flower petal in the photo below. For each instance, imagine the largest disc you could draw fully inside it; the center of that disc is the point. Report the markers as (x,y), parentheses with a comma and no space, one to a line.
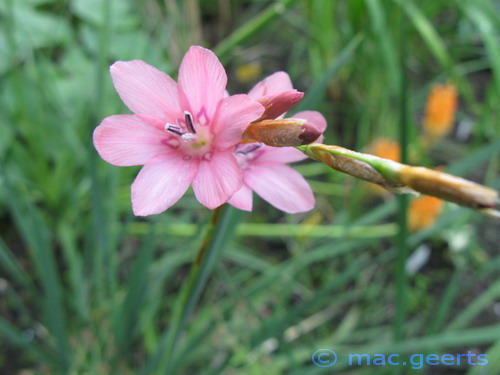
(146,90)
(281,186)
(271,85)
(233,116)
(279,104)
(242,199)
(126,140)
(217,179)
(279,155)
(316,119)
(161,183)
(202,83)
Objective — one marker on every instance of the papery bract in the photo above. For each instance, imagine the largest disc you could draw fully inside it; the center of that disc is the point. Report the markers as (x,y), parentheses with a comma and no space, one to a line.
(182,133)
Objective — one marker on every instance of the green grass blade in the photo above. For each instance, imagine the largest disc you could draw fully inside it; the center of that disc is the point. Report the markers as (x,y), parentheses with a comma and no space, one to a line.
(251,27)
(280,230)
(485,23)
(427,31)
(127,315)
(315,94)
(12,267)
(218,235)
(384,38)
(475,307)
(16,338)
(35,234)
(446,302)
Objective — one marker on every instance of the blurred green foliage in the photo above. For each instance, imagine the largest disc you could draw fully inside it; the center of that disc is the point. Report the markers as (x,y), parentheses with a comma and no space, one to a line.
(86,288)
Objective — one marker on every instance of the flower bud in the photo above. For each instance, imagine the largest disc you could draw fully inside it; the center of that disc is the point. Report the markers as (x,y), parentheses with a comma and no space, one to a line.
(289,132)
(401,178)
(451,188)
(276,105)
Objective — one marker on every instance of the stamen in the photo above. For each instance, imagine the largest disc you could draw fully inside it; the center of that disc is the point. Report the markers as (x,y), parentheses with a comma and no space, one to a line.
(189,122)
(173,129)
(248,149)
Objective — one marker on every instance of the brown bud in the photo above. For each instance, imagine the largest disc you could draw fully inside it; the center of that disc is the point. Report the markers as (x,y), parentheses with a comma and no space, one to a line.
(448,187)
(289,132)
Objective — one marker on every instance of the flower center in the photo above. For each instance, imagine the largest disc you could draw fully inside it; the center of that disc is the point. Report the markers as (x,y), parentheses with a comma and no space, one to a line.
(190,141)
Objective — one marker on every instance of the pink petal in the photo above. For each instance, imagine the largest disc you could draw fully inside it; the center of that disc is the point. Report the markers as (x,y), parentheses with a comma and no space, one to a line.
(281,186)
(271,85)
(217,179)
(202,82)
(315,118)
(146,90)
(126,140)
(161,183)
(280,155)
(280,103)
(233,116)
(242,199)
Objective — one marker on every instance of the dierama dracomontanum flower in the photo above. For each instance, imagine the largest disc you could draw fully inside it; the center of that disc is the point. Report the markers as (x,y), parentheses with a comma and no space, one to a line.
(187,133)
(183,133)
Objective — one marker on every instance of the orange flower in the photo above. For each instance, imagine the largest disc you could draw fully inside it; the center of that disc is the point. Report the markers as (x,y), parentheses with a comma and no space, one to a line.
(440,112)
(423,212)
(385,148)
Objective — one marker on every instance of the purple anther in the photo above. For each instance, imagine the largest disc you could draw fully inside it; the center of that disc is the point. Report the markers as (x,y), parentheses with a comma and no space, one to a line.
(189,122)
(173,129)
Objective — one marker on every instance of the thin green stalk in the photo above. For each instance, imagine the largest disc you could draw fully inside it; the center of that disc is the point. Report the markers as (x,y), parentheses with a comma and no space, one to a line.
(101,243)
(279,230)
(220,230)
(400,275)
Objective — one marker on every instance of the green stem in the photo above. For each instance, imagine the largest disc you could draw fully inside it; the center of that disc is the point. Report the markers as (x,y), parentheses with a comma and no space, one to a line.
(221,228)
(400,275)
(277,230)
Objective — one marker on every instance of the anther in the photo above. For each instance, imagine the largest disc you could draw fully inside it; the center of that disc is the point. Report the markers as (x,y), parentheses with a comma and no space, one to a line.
(247,150)
(173,129)
(189,122)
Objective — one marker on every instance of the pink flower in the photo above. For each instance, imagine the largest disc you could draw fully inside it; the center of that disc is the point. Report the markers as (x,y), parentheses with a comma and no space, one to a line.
(264,168)
(182,133)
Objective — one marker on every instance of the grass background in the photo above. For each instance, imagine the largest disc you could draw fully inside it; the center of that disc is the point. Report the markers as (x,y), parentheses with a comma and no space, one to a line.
(87,288)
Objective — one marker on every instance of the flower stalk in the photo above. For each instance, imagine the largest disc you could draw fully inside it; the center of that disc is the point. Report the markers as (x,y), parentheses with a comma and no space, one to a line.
(220,229)
(403,179)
